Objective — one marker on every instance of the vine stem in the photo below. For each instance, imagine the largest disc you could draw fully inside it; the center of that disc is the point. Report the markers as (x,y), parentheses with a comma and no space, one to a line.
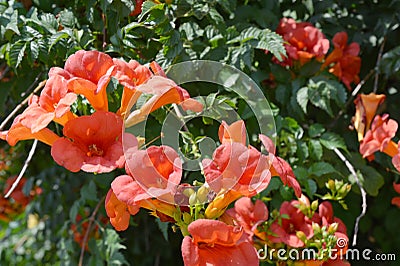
(89,228)
(363,193)
(28,159)
(21,104)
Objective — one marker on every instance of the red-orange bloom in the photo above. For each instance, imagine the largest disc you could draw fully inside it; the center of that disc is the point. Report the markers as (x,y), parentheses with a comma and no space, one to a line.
(88,73)
(378,138)
(280,167)
(216,243)
(236,166)
(345,60)
(396,158)
(164,91)
(91,143)
(249,215)
(157,169)
(304,41)
(292,221)
(130,75)
(396,200)
(119,212)
(53,104)
(138,8)
(366,106)
(19,132)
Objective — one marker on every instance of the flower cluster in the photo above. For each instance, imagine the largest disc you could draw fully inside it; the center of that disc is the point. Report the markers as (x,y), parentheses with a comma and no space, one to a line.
(304,42)
(95,141)
(375,132)
(92,143)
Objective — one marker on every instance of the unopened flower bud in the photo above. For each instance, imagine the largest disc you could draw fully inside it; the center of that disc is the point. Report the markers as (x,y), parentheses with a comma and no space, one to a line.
(314,205)
(344,190)
(316,228)
(202,194)
(188,192)
(330,185)
(193,199)
(301,236)
(333,228)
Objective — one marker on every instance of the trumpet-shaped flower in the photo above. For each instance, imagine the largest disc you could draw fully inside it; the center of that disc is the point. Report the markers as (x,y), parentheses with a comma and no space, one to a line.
(216,243)
(366,106)
(249,215)
(157,169)
(118,211)
(164,91)
(236,166)
(378,138)
(88,73)
(91,143)
(126,192)
(53,104)
(304,41)
(19,132)
(344,59)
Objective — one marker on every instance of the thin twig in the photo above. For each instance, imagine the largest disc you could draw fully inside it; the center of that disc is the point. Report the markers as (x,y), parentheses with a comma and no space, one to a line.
(21,104)
(85,238)
(359,85)
(363,194)
(378,61)
(28,160)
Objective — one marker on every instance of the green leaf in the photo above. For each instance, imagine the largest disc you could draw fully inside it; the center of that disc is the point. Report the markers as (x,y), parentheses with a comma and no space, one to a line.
(316,130)
(16,54)
(390,63)
(369,178)
(163,228)
(263,39)
(89,191)
(332,140)
(316,150)
(13,23)
(321,168)
(302,98)
(319,96)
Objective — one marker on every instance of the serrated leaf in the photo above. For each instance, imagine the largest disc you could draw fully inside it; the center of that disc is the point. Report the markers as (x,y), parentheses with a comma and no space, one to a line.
(316,150)
(263,39)
(54,39)
(34,46)
(302,98)
(13,23)
(319,96)
(16,54)
(332,140)
(321,168)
